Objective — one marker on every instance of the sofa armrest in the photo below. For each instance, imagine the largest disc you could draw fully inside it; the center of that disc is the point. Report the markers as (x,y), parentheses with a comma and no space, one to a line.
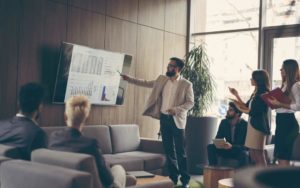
(150,145)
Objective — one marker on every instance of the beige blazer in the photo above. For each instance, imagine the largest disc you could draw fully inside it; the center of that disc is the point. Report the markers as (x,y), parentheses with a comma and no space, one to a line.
(184,98)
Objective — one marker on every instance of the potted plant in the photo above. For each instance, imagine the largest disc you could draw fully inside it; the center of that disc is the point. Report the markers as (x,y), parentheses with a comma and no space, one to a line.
(200,130)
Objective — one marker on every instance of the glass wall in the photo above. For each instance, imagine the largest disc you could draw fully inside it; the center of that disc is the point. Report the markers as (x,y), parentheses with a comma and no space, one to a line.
(231,30)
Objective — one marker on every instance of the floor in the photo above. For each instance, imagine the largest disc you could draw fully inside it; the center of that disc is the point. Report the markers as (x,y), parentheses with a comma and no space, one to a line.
(198,178)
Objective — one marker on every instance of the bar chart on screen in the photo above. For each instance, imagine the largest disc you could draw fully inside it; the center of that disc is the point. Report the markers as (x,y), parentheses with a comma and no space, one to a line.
(94,73)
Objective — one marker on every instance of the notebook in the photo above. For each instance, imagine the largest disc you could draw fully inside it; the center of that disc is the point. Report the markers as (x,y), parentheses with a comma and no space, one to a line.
(219,142)
(140,174)
(276,93)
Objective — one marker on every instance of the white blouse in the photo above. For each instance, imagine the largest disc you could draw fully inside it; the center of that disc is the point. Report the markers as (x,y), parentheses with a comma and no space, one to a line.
(295,99)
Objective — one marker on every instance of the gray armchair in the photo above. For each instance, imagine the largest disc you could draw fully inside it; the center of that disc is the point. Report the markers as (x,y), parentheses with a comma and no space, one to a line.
(25,174)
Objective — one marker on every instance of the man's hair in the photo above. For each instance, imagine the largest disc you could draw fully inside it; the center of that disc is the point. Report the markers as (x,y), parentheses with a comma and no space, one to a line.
(232,105)
(31,95)
(77,109)
(179,62)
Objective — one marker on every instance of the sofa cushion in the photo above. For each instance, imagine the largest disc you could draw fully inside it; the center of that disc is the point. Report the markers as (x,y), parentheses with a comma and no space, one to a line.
(125,137)
(129,164)
(101,134)
(152,161)
(25,174)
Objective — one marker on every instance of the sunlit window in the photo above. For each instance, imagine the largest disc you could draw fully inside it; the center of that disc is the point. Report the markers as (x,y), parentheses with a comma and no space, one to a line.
(282,12)
(230,29)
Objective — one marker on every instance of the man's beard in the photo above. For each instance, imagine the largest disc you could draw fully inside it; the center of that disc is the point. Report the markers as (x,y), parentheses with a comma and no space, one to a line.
(170,74)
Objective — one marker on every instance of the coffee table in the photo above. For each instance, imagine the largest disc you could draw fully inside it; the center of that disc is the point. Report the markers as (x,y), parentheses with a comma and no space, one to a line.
(156,178)
(212,174)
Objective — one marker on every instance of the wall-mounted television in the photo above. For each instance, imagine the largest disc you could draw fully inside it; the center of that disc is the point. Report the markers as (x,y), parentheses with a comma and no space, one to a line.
(92,72)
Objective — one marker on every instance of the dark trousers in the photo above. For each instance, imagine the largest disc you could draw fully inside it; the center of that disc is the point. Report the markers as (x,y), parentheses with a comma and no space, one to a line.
(238,153)
(176,156)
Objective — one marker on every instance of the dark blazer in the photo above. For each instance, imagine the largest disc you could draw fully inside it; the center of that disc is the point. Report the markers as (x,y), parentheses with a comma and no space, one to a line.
(240,132)
(72,140)
(24,134)
(259,114)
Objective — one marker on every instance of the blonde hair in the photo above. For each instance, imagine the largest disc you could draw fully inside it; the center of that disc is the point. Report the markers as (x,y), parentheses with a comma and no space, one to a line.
(77,110)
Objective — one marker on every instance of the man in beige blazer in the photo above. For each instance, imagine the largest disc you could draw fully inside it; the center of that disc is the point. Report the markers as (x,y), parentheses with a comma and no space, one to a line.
(171,98)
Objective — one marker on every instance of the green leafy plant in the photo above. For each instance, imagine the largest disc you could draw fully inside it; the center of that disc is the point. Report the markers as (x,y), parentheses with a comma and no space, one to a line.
(197,71)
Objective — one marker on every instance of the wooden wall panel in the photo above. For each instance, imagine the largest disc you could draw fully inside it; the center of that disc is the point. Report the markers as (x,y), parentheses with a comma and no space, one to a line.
(59,1)
(149,67)
(49,58)
(121,37)
(176,16)
(91,5)
(174,46)
(152,13)
(31,32)
(9,30)
(31,35)
(87,28)
(123,9)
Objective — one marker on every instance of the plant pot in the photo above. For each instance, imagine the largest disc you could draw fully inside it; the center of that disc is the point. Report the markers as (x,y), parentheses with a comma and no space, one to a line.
(199,133)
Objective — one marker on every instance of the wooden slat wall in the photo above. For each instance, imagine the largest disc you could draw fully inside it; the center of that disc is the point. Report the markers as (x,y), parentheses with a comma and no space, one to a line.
(31,32)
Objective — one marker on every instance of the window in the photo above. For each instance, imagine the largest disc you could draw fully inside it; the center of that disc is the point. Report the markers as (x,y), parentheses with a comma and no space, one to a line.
(231,30)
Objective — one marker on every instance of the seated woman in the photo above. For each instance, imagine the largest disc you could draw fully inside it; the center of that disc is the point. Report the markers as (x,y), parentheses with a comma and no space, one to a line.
(70,139)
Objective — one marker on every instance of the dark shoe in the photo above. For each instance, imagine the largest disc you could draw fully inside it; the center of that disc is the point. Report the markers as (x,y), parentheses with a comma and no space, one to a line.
(174,180)
(185,186)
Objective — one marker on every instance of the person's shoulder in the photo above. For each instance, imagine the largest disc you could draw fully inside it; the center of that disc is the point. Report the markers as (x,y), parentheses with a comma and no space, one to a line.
(89,141)
(162,77)
(224,122)
(62,133)
(182,79)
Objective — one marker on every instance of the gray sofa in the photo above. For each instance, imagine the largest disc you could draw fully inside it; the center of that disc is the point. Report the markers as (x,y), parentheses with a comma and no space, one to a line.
(86,163)
(121,144)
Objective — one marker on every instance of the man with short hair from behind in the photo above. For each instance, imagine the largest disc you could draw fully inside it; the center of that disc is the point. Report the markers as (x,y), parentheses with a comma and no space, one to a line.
(70,139)
(22,131)
(234,130)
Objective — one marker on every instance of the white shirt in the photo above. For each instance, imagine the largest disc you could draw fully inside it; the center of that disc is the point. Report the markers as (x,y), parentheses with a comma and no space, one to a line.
(295,99)
(168,95)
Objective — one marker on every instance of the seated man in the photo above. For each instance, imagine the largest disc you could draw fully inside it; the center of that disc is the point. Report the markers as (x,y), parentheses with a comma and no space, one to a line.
(70,139)
(234,130)
(22,131)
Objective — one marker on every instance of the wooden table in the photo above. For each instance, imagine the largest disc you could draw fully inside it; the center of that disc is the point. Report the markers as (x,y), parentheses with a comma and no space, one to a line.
(212,174)
(156,178)
(225,183)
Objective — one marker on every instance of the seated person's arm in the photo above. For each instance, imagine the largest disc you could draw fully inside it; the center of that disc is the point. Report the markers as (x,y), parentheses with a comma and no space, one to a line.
(104,172)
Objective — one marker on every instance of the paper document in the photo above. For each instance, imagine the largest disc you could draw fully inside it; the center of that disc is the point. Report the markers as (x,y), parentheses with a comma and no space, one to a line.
(219,143)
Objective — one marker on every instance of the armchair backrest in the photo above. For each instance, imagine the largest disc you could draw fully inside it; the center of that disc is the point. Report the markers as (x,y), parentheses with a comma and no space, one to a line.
(25,174)
(77,161)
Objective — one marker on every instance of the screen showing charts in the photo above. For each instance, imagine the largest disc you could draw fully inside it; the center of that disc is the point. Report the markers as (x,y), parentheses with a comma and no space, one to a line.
(91,72)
